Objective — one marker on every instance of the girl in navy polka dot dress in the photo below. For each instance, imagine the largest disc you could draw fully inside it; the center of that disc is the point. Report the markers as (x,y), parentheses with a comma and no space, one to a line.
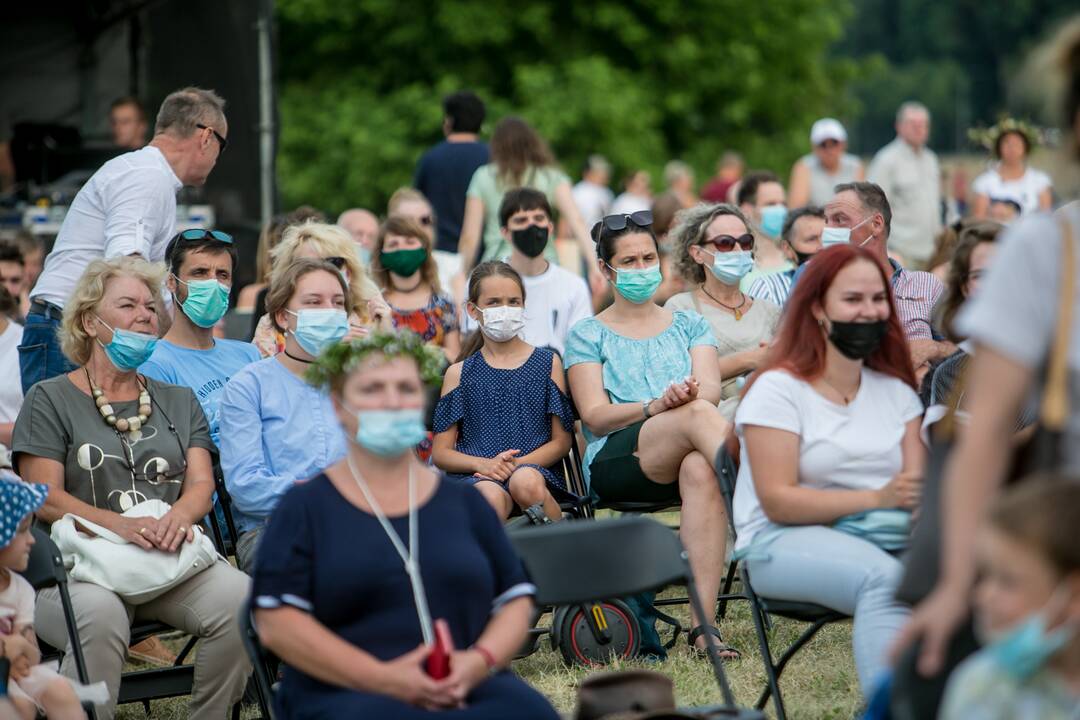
(504,418)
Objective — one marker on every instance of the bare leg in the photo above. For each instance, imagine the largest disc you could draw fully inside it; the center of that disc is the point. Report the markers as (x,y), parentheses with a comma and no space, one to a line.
(496,497)
(528,487)
(60,701)
(679,446)
(670,436)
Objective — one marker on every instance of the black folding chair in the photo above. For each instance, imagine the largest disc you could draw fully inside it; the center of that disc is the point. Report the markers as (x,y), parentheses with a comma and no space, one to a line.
(575,563)
(46,570)
(818,616)
(262,663)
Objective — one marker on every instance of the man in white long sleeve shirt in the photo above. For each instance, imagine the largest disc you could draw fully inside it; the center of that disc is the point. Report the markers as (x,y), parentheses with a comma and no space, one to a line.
(128,207)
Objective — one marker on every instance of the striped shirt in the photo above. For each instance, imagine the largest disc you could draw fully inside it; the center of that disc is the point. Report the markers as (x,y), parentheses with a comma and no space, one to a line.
(774,287)
(915,294)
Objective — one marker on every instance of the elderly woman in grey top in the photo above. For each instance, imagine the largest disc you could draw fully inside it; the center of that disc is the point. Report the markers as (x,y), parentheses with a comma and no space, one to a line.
(713,247)
(104,438)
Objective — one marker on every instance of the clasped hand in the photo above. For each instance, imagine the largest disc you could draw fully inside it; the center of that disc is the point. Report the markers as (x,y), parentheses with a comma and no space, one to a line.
(165,533)
(407,681)
(500,467)
(678,394)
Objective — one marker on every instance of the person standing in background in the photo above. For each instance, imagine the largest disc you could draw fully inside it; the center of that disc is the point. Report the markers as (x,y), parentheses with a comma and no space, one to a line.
(729,171)
(762,199)
(637,194)
(444,171)
(592,195)
(908,172)
(127,123)
(128,207)
(363,225)
(814,175)
(679,179)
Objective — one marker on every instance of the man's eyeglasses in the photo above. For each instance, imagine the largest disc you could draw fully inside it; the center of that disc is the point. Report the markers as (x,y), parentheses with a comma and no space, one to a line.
(195,234)
(220,138)
(615,223)
(425,220)
(338,262)
(826,144)
(727,243)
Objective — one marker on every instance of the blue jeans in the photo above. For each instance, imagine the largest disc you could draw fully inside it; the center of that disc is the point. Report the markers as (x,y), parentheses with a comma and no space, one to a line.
(40,357)
(820,565)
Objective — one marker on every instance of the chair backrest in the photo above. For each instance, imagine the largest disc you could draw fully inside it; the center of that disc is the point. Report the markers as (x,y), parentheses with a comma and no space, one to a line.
(46,566)
(726,472)
(577,562)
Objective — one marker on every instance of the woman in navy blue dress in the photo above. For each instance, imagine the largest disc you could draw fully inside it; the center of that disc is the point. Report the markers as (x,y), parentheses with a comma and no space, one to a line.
(504,419)
(332,594)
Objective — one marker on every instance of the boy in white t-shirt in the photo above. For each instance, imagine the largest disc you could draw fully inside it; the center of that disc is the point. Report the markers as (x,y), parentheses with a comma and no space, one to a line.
(32,686)
(555,298)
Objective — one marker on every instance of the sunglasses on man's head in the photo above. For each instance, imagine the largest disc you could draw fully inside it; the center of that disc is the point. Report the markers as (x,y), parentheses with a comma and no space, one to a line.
(220,138)
(195,234)
(338,262)
(727,243)
(614,223)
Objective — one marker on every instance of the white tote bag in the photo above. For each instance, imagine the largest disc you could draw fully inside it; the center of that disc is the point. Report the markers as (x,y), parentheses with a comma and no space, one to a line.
(136,575)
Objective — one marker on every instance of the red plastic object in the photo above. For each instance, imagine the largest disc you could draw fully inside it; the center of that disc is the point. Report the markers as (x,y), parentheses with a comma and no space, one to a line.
(438,662)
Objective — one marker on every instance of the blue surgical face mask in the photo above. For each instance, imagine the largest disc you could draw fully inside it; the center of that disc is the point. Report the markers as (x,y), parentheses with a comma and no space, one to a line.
(731,267)
(1024,649)
(364,253)
(638,285)
(390,433)
(319,328)
(772,220)
(836,235)
(128,350)
(206,303)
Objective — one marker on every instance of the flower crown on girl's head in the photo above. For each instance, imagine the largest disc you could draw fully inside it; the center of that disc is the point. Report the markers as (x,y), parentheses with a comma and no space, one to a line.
(988,137)
(341,358)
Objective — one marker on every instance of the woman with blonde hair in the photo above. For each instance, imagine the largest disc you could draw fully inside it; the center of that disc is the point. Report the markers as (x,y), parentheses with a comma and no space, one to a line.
(519,158)
(321,241)
(403,266)
(104,439)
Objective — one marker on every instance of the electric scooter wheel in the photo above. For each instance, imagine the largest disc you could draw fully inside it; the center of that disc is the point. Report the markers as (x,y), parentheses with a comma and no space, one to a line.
(574,632)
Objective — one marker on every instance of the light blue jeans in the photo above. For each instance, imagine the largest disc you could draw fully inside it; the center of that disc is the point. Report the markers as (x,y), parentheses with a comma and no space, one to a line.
(844,573)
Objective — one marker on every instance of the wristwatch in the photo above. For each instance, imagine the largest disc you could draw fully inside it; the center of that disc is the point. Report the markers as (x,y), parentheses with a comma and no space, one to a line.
(645,408)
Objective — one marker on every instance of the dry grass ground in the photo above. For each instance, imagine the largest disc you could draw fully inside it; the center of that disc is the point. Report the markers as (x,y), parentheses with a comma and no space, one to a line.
(819,684)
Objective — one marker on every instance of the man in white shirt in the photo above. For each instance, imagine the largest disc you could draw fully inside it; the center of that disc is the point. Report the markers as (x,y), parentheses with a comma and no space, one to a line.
(908,172)
(128,207)
(592,195)
(555,298)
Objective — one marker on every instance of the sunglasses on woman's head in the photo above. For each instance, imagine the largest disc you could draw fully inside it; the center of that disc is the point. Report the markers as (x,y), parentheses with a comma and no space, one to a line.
(727,243)
(614,223)
(338,262)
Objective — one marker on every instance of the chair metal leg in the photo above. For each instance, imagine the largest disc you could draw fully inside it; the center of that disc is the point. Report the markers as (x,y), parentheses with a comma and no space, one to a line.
(725,591)
(757,614)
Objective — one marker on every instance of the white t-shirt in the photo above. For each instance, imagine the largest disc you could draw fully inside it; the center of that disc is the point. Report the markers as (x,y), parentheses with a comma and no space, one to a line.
(853,447)
(554,301)
(628,203)
(11,396)
(1024,191)
(127,207)
(593,201)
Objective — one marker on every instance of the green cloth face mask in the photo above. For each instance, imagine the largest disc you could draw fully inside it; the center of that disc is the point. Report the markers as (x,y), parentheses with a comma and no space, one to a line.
(403,262)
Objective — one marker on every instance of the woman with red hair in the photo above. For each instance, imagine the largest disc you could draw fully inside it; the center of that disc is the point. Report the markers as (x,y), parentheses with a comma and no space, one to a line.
(831,456)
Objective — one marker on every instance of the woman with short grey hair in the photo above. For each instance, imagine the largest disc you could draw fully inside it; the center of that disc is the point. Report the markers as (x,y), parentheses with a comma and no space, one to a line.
(714,251)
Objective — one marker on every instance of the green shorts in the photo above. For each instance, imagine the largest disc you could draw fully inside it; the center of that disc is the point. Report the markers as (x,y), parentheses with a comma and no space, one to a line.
(615,473)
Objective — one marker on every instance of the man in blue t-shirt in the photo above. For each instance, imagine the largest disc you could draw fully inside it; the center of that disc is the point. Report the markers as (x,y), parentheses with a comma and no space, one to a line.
(201,264)
(444,171)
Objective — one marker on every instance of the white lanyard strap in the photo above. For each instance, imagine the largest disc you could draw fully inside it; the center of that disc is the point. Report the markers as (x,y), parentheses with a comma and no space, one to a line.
(410,557)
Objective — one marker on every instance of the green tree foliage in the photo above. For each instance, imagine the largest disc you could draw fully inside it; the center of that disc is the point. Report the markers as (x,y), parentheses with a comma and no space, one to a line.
(957,57)
(642,81)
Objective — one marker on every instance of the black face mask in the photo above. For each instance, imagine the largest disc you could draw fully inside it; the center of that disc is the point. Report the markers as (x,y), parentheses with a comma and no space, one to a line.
(858,341)
(530,240)
(801,258)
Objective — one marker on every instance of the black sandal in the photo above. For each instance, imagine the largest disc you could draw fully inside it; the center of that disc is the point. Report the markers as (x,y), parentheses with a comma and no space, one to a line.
(722,647)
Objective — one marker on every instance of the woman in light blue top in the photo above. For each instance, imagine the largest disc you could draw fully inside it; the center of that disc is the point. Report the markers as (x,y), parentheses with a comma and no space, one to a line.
(646,383)
(276,429)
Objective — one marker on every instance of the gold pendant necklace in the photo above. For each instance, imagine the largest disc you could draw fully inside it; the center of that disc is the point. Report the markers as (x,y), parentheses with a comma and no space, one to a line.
(736,310)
